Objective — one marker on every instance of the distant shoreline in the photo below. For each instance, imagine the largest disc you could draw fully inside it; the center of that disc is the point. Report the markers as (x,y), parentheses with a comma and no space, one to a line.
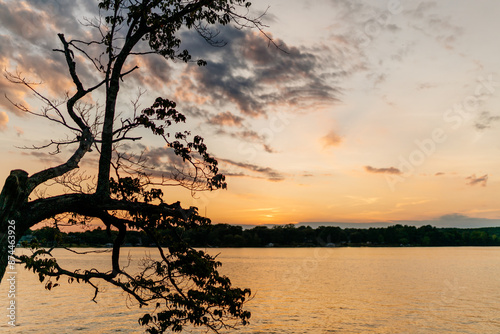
(283,236)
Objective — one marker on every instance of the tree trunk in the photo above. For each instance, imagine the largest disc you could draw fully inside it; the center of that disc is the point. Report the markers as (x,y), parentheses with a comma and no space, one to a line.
(12,200)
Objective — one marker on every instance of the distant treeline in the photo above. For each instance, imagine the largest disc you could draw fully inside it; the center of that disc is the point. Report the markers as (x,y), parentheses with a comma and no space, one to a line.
(223,235)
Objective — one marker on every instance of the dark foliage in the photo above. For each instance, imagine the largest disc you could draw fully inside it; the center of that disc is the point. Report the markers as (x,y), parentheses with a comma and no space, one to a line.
(223,235)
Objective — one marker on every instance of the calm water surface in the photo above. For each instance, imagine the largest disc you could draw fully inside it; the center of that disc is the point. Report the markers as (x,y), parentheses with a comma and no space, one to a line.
(300,290)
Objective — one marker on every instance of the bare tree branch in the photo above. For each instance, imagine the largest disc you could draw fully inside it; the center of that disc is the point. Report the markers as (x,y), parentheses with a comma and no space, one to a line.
(86,141)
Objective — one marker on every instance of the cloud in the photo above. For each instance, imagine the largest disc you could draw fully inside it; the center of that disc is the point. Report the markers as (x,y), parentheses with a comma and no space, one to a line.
(423,8)
(234,168)
(453,216)
(29,35)
(356,25)
(268,148)
(226,119)
(62,14)
(24,22)
(434,25)
(485,120)
(46,158)
(247,135)
(163,162)
(162,158)
(10,91)
(331,139)
(256,77)
(154,71)
(389,170)
(247,76)
(4,119)
(359,27)
(473,180)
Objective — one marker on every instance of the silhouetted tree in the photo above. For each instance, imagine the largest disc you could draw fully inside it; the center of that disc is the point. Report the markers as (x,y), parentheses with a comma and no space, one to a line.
(183,283)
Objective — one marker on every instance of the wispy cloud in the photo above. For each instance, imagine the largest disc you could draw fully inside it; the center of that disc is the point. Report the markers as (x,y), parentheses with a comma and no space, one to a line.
(19,131)
(247,135)
(434,25)
(473,180)
(486,120)
(44,157)
(163,162)
(426,85)
(387,170)
(234,168)
(360,26)
(331,139)
(412,202)
(359,200)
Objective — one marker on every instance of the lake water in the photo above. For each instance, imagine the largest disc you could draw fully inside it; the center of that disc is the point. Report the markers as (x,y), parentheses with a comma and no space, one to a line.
(299,290)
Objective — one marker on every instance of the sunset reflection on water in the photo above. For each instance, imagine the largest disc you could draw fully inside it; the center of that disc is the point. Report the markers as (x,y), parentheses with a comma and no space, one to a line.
(302,290)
